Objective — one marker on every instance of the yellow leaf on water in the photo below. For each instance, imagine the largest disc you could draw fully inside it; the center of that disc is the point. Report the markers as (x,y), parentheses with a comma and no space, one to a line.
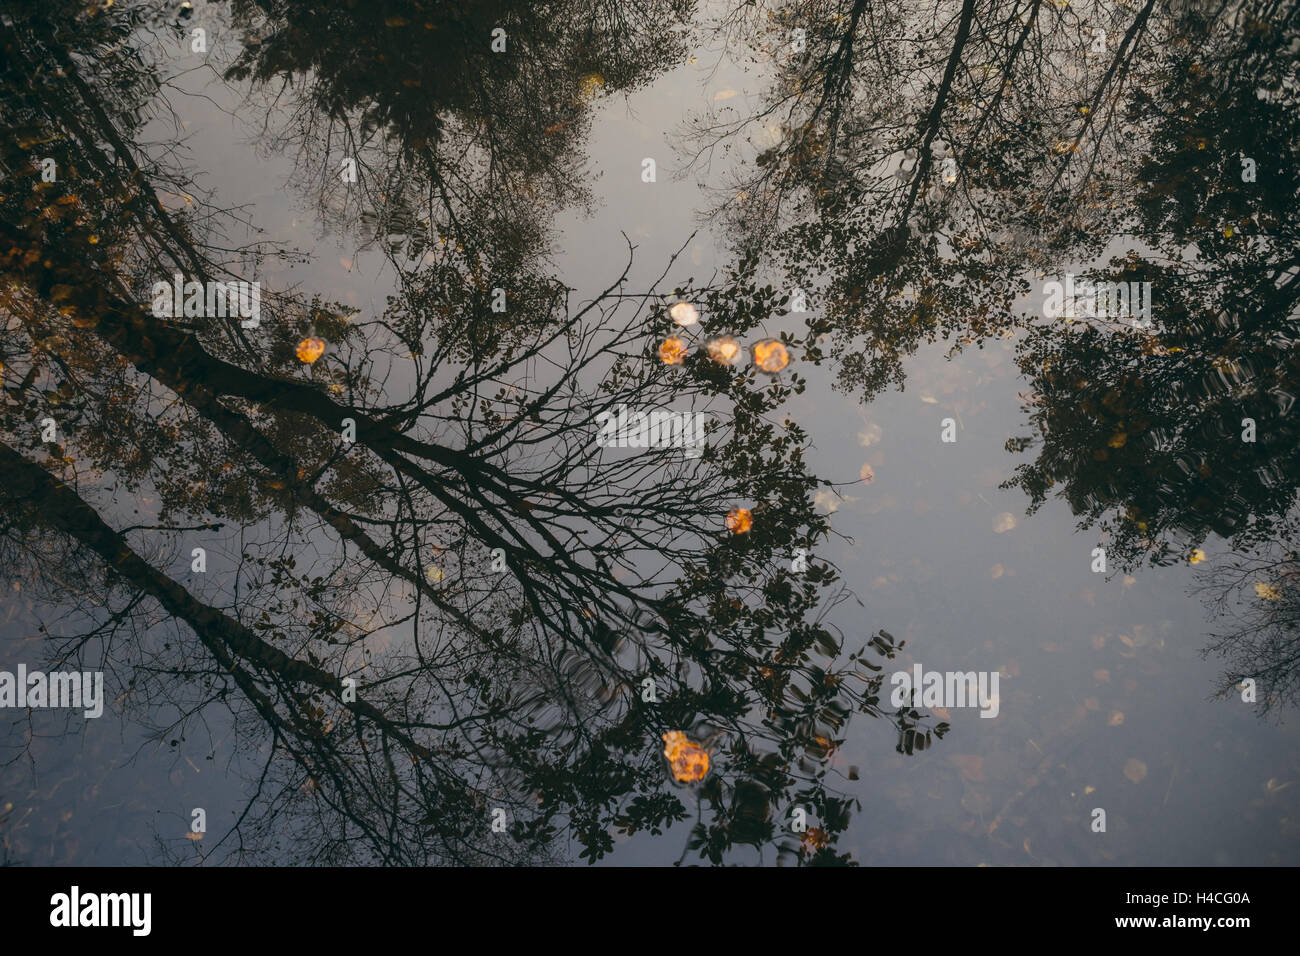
(688,761)
(672,350)
(770,355)
(1003,523)
(869,436)
(1135,770)
(740,520)
(310,349)
(829,500)
(723,95)
(1116,718)
(815,838)
(1196,557)
(997,571)
(1267,591)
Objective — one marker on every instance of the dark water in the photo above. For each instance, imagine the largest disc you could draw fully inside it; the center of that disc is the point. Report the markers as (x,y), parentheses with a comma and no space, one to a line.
(456,612)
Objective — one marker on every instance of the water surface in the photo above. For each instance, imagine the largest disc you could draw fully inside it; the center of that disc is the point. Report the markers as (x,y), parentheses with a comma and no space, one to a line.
(430,600)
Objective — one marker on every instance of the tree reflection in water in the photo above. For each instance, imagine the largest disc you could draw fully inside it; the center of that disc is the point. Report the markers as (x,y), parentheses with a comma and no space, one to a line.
(527,614)
(375,561)
(1149,142)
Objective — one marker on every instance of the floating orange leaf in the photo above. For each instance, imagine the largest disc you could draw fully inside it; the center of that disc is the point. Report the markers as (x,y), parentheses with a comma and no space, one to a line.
(771,356)
(740,520)
(1135,770)
(815,838)
(309,350)
(689,761)
(672,351)
(1267,591)
(723,350)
